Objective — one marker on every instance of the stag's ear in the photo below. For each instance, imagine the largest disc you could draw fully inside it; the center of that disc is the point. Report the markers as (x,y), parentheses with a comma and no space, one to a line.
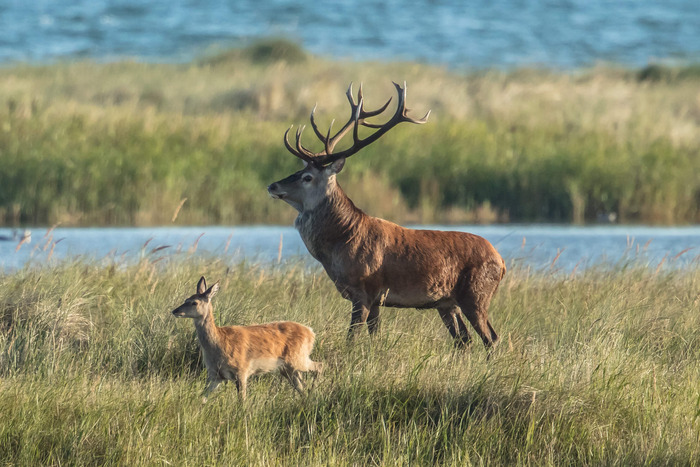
(336,166)
(201,285)
(212,291)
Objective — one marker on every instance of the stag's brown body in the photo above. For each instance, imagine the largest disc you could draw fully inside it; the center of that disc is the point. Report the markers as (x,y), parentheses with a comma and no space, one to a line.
(374,262)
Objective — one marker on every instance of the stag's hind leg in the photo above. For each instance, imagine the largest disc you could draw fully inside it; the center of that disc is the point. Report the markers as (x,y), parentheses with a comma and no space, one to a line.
(452,317)
(475,297)
(477,314)
(478,318)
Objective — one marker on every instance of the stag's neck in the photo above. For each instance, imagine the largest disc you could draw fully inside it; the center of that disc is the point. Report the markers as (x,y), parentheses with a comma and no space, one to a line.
(207,332)
(335,219)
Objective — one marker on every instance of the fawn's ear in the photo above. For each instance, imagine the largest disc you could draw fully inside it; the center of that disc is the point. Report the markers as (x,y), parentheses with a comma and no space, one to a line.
(201,285)
(212,291)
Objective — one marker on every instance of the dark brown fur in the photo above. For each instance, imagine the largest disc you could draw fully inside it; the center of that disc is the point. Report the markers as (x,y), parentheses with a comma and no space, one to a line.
(374,262)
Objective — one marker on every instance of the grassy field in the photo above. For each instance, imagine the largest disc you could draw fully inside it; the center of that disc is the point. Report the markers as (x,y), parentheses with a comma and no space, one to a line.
(125,143)
(600,368)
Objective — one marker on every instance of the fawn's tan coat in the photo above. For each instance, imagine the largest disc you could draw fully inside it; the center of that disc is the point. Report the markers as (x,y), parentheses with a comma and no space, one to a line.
(236,352)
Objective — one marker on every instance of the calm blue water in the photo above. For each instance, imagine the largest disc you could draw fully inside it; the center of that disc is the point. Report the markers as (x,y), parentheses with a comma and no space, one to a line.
(536,247)
(503,33)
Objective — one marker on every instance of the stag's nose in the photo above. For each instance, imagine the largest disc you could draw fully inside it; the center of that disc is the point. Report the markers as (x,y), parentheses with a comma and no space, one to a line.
(272,187)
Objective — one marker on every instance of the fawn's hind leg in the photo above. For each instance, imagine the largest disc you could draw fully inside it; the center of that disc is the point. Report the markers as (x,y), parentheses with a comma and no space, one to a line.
(294,378)
(317,369)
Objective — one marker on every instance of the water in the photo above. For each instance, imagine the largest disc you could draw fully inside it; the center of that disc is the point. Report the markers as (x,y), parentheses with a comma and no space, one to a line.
(564,248)
(501,33)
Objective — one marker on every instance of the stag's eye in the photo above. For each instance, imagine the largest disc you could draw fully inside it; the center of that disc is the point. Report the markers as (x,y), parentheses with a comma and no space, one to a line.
(307,178)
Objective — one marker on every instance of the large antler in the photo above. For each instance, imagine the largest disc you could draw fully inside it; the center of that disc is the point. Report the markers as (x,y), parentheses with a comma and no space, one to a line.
(357,118)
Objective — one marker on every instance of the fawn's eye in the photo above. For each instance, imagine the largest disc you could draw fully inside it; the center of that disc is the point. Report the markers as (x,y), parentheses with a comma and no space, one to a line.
(307,178)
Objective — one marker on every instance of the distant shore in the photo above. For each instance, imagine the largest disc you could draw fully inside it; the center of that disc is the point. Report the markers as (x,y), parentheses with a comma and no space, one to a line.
(126,143)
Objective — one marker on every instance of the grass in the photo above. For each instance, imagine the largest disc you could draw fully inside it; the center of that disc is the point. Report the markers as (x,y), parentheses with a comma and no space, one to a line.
(599,368)
(124,143)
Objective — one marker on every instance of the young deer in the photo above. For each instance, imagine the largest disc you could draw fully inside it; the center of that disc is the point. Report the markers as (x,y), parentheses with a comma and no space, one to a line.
(237,352)
(373,262)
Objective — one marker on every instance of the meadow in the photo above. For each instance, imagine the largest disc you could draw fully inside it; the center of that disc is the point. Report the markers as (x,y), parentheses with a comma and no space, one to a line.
(126,143)
(598,368)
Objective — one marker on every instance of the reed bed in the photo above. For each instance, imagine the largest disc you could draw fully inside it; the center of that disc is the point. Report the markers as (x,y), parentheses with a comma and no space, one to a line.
(85,143)
(596,368)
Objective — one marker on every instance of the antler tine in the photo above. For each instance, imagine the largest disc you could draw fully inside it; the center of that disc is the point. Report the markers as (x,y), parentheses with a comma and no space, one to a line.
(327,141)
(349,94)
(330,144)
(374,113)
(329,149)
(358,119)
(369,113)
(420,121)
(401,106)
(404,112)
(289,146)
(358,114)
(338,136)
(319,135)
(301,149)
(301,152)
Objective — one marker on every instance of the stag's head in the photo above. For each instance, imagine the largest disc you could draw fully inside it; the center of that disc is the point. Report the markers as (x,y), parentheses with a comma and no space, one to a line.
(306,188)
(198,305)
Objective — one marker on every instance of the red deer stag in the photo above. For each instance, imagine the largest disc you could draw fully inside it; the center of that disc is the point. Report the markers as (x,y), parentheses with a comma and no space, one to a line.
(374,262)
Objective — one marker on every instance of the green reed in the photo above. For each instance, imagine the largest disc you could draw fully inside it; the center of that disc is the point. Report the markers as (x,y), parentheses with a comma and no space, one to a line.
(125,143)
(596,368)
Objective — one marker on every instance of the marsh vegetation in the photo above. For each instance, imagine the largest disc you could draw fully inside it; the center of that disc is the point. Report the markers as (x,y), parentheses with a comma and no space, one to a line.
(599,368)
(124,143)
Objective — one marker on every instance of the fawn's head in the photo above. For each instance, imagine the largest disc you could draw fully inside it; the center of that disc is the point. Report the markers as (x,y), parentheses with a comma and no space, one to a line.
(306,188)
(199,304)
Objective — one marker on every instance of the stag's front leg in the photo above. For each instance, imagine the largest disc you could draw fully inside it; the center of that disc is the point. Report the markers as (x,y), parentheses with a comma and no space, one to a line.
(359,315)
(373,319)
